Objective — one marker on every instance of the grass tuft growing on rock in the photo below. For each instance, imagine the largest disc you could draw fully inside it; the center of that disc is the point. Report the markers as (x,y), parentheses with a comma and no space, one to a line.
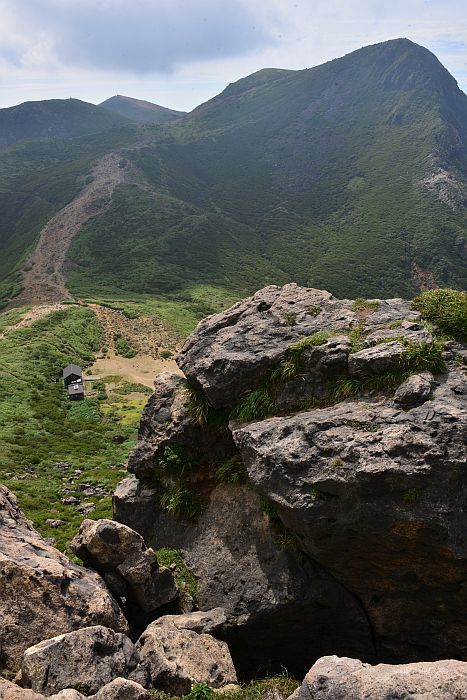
(202,411)
(276,688)
(256,405)
(365,306)
(182,502)
(447,309)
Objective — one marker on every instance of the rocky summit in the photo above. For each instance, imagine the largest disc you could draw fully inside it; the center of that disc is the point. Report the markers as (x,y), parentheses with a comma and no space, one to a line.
(296,500)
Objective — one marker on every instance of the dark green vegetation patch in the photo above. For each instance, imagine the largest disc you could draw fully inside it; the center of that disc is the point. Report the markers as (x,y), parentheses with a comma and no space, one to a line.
(51,448)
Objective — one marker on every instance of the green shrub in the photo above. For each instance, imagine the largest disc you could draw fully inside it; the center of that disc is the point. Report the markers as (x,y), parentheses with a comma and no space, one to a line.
(165,354)
(410,496)
(200,691)
(175,461)
(123,347)
(447,309)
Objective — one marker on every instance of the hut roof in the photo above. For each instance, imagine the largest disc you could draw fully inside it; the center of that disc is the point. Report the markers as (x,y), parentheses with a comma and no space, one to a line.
(72,370)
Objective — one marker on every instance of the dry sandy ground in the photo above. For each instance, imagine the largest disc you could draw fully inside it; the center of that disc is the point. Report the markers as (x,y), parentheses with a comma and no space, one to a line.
(141,369)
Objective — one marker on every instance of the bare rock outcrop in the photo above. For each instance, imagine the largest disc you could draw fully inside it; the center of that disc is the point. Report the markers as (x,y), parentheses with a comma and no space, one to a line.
(130,569)
(41,590)
(86,659)
(178,657)
(334,678)
(229,353)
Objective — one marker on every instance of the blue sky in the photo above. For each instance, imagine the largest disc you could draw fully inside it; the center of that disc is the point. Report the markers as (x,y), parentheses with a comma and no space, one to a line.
(180,53)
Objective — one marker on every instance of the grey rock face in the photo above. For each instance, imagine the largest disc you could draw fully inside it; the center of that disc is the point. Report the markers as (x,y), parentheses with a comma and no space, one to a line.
(166,421)
(374,360)
(375,495)
(131,568)
(178,657)
(228,354)
(280,606)
(334,678)
(41,590)
(318,366)
(88,659)
(414,391)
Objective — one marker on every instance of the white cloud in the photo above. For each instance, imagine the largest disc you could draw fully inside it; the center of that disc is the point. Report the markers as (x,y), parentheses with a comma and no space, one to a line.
(181,52)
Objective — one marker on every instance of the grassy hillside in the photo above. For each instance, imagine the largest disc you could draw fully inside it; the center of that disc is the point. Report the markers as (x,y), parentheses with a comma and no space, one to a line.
(140,110)
(315,176)
(39,427)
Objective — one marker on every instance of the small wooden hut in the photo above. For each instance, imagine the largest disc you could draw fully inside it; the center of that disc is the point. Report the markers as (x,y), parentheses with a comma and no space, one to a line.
(74,383)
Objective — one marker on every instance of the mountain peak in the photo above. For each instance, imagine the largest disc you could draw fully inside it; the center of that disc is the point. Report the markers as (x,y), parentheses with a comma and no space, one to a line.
(140,111)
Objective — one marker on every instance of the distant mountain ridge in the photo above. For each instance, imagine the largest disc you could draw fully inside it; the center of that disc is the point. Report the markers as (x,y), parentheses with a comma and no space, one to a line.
(350,176)
(58,119)
(140,110)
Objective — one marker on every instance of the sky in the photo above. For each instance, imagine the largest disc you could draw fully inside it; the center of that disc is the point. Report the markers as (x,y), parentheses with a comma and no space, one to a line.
(180,53)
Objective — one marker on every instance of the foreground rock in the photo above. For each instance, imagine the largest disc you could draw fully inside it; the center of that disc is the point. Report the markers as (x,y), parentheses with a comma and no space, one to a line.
(129,567)
(375,495)
(118,689)
(86,659)
(178,657)
(354,533)
(334,678)
(41,591)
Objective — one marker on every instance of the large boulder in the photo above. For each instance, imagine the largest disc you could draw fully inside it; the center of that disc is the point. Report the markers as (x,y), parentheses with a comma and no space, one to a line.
(376,495)
(129,567)
(279,605)
(229,353)
(334,678)
(85,659)
(178,657)
(353,535)
(41,590)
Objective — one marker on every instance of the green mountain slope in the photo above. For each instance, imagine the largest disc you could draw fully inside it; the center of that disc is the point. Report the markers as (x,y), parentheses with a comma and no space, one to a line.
(58,119)
(349,176)
(140,110)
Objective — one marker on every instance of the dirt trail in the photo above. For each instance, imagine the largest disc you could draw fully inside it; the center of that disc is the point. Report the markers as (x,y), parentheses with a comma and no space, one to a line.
(141,369)
(45,281)
(144,334)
